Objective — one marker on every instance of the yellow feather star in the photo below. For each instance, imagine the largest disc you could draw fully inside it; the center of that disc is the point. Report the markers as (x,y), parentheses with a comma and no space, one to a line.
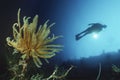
(32,42)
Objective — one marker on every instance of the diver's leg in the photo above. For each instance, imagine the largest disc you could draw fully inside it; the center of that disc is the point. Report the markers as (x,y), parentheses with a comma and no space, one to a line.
(79,35)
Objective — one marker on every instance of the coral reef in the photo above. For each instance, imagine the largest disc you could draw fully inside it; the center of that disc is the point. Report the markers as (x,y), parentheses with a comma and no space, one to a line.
(56,75)
(115,68)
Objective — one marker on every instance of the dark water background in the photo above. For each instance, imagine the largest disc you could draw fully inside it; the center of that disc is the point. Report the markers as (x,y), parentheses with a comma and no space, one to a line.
(85,68)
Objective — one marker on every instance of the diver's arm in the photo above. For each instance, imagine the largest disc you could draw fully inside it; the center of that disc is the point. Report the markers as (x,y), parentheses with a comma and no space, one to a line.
(93,23)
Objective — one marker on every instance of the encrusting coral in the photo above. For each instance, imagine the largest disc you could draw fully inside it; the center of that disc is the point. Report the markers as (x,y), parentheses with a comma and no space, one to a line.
(31,42)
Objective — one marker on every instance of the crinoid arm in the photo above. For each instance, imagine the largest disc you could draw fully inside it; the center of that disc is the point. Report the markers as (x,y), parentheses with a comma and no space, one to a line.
(32,42)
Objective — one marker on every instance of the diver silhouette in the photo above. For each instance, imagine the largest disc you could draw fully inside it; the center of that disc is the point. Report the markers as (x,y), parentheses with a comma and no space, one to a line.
(94,27)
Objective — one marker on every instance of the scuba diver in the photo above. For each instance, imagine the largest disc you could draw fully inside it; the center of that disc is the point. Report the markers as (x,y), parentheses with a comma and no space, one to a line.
(94,27)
